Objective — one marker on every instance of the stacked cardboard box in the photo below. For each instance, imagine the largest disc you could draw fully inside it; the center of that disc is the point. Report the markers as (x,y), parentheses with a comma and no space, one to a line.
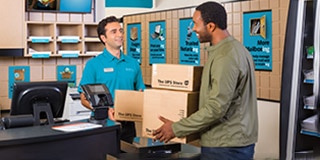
(128,105)
(173,105)
(176,77)
(174,95)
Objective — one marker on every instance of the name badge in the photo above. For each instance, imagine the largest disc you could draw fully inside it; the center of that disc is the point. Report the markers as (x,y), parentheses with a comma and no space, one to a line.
(108,69)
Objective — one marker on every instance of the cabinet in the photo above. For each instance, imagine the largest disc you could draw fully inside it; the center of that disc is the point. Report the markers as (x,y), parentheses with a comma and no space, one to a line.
(57,39)
(12,19)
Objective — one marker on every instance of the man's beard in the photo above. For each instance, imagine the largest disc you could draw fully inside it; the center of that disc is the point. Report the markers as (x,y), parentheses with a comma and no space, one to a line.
(206,37)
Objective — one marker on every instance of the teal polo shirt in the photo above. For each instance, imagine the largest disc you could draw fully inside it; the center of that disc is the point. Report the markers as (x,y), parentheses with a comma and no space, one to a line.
(123,74)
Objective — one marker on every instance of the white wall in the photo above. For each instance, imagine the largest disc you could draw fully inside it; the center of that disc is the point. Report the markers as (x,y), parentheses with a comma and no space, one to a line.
(157,5)
(269,123)
(100,12)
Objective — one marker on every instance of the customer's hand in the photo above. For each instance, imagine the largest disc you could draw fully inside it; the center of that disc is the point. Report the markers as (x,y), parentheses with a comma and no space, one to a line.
(165,132)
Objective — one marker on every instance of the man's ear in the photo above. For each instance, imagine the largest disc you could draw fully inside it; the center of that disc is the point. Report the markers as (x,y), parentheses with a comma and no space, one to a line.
(103,37)
(211,27)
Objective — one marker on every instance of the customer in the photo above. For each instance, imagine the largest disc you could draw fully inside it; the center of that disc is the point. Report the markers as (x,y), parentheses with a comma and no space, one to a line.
(114,69)
(227,117)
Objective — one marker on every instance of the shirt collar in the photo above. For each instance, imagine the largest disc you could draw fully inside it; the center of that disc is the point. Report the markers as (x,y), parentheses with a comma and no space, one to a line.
(214,47)
(110,57)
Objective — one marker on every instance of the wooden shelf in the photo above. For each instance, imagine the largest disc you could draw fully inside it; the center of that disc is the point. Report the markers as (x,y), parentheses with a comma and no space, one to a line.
(55,37)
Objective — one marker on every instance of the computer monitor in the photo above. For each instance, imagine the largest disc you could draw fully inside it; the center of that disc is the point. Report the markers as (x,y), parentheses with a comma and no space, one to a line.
(66,6)
(30,96)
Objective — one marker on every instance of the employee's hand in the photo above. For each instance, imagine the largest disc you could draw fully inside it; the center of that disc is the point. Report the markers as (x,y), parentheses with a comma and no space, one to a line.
(111,114)
(165,132)
(85,102)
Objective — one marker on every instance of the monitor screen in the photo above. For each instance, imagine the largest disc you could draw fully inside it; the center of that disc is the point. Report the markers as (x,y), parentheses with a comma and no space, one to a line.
(26,95)
(68,6)
(81,6)
(41,5)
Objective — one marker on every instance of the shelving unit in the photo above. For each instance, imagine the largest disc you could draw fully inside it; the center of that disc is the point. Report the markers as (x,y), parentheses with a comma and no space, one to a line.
(39,39)
(299,128)
(93,45)
(57,39)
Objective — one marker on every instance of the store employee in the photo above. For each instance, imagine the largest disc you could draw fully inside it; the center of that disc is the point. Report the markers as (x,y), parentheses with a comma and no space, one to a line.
(114,69)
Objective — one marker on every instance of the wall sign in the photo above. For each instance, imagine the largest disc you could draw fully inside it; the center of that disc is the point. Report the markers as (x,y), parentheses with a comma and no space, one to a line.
(134,41)
(157,42)
(67,73)
(257,38)
(17,74)
(189,50)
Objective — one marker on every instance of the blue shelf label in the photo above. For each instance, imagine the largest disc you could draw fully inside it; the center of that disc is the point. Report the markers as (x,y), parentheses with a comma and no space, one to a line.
(70,40)
(72,55)
(41,55)
(309,81)
(311,133)
(40,40)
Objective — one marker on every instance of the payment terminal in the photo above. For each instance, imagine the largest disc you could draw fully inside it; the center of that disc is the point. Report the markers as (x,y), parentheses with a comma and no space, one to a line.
(100,98)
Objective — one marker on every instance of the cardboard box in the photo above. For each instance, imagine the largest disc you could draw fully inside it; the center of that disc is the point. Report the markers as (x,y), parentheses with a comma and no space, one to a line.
(128,105)
(138,126)
(171,104)
(176,77)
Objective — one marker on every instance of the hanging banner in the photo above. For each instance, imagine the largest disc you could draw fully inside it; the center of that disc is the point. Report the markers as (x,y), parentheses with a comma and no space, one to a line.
(189,50)
(257,38)
(67,73)
(17,74)
(134,41)
(157,42)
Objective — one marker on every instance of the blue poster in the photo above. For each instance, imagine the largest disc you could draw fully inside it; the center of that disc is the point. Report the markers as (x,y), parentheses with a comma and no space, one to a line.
(67,73)
(157,42)
(257,38)
(189,50)
(134,41)
(131,3)
(17,74)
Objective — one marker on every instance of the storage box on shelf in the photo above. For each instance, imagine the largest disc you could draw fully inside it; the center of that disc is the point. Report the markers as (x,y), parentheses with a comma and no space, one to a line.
(57,39)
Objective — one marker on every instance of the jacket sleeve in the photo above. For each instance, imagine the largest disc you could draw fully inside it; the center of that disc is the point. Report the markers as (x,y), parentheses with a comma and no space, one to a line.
(215,98)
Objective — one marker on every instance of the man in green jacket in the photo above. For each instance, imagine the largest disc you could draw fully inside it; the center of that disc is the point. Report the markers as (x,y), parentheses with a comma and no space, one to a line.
(227,117)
